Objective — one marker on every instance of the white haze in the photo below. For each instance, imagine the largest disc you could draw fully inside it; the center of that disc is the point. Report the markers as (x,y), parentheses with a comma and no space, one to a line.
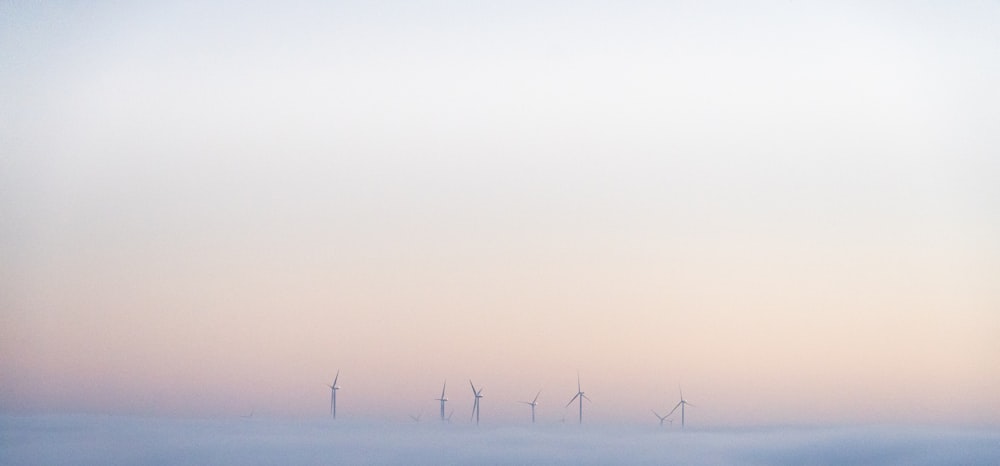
(108,440)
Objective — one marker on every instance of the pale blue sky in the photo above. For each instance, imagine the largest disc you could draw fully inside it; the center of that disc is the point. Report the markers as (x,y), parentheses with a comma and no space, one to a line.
(783,190)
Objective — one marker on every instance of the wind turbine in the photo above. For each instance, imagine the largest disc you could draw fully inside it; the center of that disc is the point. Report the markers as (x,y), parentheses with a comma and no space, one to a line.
(475,406)
(533,403)
(662,418)
(443,399)
(680,404)
(416,418)
(333,395)
(580,395)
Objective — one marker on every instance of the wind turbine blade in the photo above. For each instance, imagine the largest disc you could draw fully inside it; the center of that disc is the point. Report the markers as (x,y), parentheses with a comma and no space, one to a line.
(473,387)
(654,414)
(573,399)
(443,387)
(578,382)
(336,377)
(678,405)
(536,397)
(585,397)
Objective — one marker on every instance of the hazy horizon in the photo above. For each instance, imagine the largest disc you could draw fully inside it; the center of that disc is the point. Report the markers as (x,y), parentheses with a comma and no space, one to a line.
(788,209)
(79,440)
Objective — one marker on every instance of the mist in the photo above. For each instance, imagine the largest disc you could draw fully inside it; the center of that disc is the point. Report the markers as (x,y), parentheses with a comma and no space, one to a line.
(106,440)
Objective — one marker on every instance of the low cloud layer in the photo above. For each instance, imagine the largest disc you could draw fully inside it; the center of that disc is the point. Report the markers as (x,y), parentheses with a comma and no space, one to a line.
(86,440)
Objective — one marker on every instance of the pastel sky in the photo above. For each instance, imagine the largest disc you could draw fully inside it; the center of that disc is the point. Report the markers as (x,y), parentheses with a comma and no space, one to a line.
(791,209)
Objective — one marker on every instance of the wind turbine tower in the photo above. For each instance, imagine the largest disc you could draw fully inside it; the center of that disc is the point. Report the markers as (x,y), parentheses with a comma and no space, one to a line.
(333,395)
(580,395)
(680,404)
(443,399)
(533,403)
(475,406)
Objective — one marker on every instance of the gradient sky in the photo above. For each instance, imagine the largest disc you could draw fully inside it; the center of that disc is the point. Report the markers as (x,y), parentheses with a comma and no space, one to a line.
(790,208)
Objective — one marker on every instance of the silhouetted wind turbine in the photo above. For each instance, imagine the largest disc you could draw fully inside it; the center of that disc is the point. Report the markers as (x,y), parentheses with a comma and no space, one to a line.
(580,395)
(533,403)
(662,418)
(680,404)
(443,398)
(416,418)
(475,406)
(333,395)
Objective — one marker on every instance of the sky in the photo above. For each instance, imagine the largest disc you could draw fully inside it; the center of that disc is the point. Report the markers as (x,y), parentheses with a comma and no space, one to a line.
(788,209)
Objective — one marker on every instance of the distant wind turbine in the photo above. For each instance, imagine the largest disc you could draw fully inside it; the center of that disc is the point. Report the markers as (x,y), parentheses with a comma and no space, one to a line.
(443,399)
(580,395)
(680,404)
(533,403)
(662,418)
(416,418)
(475,406)
(333,395)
